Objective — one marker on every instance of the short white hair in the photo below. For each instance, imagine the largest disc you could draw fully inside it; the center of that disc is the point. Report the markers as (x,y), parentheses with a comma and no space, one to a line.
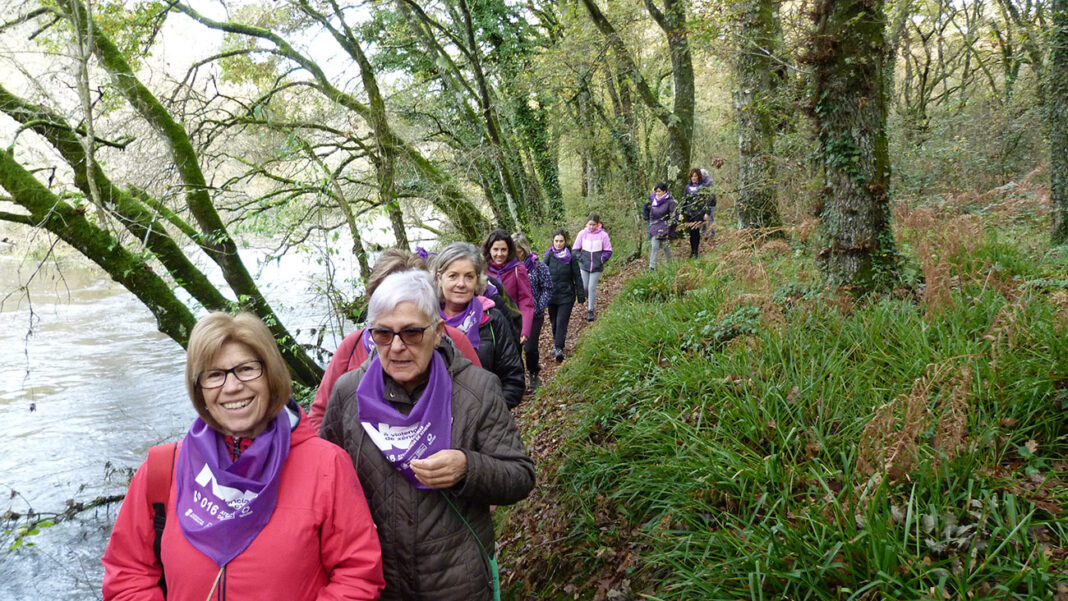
(413,286)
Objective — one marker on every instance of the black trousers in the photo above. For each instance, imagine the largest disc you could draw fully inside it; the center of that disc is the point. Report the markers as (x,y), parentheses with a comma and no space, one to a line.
(530,347)
(695,241)
(559,316)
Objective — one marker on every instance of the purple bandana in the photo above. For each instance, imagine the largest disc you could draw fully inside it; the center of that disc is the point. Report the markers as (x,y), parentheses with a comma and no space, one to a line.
(564,256)
(467,321)
(531,262)
(497,271)
(402,438)
(365,339)
(223,504)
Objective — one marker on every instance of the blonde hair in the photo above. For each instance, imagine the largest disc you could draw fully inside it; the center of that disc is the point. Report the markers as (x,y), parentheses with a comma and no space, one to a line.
(392,261)
(218,328)
(521,243)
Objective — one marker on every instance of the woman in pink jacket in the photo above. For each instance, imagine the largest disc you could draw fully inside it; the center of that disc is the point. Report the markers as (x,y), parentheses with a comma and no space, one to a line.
(504,264)
(594,248)
(256,505)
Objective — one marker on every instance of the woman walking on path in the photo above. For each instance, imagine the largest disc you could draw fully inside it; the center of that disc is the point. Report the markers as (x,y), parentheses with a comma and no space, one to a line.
(566,289)
(251,504)
(594,249)
(433,445)
(698,206)
(503,264)
(460,273)
(541,287)
(662,217)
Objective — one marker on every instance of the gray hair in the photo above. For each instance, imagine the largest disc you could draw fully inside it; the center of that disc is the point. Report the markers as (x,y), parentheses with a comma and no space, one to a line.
(454,252)
(412,286)
(521,242)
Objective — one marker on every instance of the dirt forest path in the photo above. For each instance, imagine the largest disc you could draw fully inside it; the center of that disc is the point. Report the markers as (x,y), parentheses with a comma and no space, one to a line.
(538,527)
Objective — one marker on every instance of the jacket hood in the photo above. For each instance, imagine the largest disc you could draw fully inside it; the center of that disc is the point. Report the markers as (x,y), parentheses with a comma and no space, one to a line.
(300,427)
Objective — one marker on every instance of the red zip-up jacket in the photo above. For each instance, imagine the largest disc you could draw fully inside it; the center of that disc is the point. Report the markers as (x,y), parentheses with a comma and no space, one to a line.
(319,545)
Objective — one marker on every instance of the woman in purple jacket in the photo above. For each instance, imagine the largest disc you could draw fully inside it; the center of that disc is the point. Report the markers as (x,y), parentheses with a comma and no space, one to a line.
(662,218)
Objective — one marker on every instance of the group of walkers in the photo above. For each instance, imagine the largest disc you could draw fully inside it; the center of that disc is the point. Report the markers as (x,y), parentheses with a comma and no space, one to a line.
(695,214)
(385,487)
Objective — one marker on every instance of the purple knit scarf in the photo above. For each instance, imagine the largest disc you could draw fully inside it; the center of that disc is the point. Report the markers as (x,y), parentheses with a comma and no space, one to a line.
(467,321)
(402,438)
(564,256)
(224,504)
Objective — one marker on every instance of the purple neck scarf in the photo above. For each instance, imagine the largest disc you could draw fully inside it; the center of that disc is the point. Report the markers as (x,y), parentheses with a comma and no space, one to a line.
(497,271)
(223,504)
(564,256)
(531,262)
(365,339)
(402,438)
(467,321)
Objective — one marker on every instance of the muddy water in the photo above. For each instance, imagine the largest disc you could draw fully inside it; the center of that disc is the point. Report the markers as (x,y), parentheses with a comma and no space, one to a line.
(87,384)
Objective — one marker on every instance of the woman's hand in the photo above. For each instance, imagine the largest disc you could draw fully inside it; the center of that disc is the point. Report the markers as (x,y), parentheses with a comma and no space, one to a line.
(522,340)
(442,469)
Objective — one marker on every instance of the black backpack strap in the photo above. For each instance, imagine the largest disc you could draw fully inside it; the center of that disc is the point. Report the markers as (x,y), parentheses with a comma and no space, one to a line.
(160,476)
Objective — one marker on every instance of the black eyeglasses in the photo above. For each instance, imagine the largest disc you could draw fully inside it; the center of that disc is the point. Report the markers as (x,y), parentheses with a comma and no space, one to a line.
(409,336)
(246,372)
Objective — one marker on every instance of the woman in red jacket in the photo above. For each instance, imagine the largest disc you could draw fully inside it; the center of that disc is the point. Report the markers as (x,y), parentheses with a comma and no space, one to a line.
(258,507)
(503,264)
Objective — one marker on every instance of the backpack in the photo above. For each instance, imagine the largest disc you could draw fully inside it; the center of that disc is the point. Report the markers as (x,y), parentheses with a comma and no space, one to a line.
(160,467)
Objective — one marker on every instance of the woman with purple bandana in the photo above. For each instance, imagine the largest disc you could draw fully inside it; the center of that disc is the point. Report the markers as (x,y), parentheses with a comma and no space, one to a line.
(541,288)
(249,479)
(434,446)
(459,271)
(567,288)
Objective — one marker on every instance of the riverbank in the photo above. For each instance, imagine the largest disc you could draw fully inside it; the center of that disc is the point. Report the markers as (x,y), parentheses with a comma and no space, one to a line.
(727,429)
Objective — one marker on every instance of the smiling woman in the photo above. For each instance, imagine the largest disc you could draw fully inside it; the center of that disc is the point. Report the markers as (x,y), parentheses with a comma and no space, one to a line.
(433,443)
(249,477)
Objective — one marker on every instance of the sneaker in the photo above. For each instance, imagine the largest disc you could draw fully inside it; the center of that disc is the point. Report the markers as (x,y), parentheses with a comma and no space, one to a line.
(558,355)
(589,315)
(533,382)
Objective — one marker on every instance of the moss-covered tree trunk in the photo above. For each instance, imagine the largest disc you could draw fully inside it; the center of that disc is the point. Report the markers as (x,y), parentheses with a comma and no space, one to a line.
(215,239)
(69,223)
(848,51)
(1058,119)
(757,76)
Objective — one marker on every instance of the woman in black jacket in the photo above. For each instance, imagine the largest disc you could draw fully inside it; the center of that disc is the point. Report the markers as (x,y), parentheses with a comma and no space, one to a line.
(567,288)
(460,273)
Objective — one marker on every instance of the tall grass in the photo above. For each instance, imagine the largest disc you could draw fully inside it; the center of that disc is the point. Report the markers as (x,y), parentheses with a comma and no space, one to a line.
(735,432)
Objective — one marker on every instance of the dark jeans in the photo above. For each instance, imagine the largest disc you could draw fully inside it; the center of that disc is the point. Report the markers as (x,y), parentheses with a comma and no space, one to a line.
(530,347)
(559,316)
(695,241)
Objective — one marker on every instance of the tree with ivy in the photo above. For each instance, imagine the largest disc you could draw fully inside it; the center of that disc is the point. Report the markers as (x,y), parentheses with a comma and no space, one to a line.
(758,75)
(1057,90)
(848,101)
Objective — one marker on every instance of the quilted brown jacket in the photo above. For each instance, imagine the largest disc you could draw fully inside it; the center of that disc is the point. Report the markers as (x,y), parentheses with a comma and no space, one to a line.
(427,551)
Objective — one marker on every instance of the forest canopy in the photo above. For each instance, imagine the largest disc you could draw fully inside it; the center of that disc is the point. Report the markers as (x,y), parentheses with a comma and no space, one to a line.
(152,136)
